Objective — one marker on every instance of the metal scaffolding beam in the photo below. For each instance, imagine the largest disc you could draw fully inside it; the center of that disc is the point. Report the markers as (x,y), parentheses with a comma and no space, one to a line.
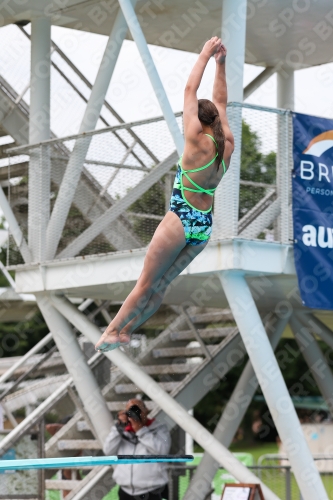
(155,80)
(272,384)
(74,359)
(258,81)
(227,193)
(231,418)
(118,208)
(39,130)
(173,409)
(75,164)
(14,227)
(285,88)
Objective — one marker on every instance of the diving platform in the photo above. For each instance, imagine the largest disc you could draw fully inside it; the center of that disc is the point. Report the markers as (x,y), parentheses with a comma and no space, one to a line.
(268,268)
(112,276)
(82,209)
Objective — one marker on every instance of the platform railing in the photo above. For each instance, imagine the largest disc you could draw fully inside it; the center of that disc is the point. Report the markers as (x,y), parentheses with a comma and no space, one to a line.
(278,476)
(122,194)
(253,201)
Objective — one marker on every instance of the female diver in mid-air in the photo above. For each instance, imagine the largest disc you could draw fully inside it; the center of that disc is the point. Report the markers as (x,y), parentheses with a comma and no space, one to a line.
(185,230)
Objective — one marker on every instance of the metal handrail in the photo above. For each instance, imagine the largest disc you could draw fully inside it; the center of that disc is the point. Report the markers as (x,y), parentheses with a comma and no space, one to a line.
(128,125)
(90,86)
(122,126)
(258,107)
(30,370)
(277,456)
(42,343)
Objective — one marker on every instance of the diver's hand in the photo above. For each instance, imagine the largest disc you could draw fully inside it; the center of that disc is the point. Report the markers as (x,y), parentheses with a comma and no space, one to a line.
(211,46)
(220,54)
(136,424)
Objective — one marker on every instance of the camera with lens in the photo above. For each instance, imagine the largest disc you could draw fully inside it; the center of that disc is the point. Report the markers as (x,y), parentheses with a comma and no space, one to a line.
(134,412)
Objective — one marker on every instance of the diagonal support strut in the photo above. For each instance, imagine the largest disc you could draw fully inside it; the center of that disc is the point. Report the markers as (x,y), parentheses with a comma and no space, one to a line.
(272,384)
(119,207)
(231,418)
(162,398)
(75,164)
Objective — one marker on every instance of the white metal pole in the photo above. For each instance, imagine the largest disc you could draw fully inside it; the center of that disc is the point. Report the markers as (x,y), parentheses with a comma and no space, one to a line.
(315,360)
(258,81)
(39,130)
(14,227)
(227,194)
(285,100)
(96,100)
(230,420)
(285,88)
(139,38)
(283,179)
(169,405)
(272,384)
(74,359)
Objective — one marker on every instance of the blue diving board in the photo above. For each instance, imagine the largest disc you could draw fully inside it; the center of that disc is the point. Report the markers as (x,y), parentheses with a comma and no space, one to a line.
(67,462)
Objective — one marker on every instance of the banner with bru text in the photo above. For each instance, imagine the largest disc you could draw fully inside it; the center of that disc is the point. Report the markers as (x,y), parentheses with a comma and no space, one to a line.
(312,186)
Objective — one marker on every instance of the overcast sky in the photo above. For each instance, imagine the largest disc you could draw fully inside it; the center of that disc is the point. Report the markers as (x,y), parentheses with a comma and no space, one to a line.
(131,94)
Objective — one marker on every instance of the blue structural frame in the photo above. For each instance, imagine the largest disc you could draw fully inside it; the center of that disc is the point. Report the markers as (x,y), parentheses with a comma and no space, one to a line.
(59,463)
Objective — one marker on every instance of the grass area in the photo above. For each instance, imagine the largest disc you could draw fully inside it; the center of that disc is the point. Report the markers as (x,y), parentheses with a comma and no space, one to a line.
(255,449)
(113,495)
(274,479)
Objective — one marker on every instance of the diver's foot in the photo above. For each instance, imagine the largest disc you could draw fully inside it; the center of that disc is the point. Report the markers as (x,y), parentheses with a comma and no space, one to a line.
(109,340)
(124,338)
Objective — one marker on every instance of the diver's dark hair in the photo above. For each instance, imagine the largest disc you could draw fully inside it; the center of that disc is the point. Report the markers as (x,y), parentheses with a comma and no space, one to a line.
(209,115)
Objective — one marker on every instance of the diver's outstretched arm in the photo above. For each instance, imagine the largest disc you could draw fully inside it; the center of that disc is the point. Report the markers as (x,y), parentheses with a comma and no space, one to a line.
(220,95)
(192,125)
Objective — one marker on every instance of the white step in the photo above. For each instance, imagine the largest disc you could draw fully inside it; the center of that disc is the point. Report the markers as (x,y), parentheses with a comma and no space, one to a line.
(61,484)
(207,333)
(212,317)
(179,352)
(170,369)
(79,444)
(133,389)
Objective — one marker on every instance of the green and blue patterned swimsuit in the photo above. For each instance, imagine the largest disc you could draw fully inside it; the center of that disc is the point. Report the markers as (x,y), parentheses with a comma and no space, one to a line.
(197,223)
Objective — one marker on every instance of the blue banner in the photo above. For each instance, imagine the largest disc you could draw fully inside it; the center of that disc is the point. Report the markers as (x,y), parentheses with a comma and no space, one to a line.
(313,209)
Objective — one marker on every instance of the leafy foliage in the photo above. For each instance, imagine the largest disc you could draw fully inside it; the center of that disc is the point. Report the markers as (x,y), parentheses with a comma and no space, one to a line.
(152,202)
(18,338)
(255,167)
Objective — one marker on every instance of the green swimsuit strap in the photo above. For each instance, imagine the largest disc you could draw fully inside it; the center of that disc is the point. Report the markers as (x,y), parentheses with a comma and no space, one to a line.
(199,188)
(223,164)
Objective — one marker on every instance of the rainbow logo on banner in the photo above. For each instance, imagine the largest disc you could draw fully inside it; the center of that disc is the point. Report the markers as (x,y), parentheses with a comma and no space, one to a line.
(320,144)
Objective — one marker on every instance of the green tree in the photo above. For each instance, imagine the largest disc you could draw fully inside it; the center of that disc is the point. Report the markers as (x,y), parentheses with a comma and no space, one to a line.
(18,338)
(255,167)
(152,202)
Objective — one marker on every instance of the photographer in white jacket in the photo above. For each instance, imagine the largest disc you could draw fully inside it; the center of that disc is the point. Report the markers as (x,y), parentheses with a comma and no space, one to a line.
(135,434)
